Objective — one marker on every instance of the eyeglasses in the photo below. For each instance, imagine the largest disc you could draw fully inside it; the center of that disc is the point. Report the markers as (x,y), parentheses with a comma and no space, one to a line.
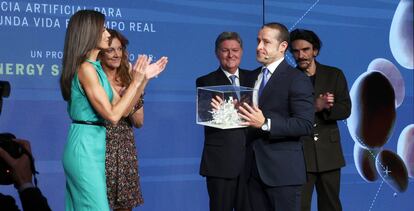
(111,51)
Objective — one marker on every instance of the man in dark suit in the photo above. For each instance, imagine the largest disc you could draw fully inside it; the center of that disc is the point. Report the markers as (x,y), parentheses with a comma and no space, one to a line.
(223,157)
(323,151)
(30,196)
(284,114)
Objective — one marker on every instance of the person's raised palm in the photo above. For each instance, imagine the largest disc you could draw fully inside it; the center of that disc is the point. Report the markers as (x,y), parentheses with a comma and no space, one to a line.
(138,70)
(154,69)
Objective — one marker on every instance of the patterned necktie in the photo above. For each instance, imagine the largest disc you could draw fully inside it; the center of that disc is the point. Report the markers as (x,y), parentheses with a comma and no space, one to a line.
(233,82)
(265,78)
(233,79)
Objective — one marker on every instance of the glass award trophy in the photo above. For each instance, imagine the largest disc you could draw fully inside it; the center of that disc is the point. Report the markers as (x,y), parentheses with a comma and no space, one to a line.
(226,115)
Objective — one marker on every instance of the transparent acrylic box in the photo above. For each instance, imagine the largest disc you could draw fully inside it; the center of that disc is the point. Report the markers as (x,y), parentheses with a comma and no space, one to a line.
(226,117)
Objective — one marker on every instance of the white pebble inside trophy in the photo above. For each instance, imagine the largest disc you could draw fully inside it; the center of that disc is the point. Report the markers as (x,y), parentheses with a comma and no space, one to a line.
(224,116)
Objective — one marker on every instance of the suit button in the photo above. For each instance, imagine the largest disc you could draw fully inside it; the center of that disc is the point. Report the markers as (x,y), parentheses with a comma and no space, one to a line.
(314,125)
(315,137)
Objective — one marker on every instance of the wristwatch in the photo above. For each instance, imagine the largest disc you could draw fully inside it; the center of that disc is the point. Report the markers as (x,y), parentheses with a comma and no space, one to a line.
(265,126)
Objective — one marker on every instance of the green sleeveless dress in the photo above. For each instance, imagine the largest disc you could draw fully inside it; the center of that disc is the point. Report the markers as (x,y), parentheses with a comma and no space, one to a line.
(84,153)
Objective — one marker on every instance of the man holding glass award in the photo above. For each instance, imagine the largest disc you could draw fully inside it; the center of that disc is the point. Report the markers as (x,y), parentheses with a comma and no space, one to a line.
(284,113)
(223,157)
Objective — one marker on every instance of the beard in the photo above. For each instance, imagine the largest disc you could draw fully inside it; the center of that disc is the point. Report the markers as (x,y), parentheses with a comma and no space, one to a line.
(303,64)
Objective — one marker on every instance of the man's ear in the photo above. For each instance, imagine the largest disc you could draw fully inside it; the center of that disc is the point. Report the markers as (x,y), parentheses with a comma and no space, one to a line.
(283,46)
(315,52)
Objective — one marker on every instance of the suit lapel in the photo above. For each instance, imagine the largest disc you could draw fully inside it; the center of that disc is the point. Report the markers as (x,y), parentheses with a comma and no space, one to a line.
(242,78)
(320,79)
(273,80)
(245,78)
(221,78)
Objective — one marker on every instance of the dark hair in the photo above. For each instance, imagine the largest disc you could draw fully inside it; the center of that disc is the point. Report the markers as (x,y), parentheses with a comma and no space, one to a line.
(82,35)
(122,73)
(283,31)
(228,36)
(307,35)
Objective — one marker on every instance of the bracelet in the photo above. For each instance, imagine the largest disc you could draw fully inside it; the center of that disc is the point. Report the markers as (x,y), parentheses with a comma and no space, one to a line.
(138,105)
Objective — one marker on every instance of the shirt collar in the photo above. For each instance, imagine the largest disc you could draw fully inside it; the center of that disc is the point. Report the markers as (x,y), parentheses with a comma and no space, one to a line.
(229,74)
(272,66)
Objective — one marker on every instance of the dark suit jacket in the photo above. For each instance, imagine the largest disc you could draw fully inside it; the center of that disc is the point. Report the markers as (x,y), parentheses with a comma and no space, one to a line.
(287,100)
(224,150)
(325,153)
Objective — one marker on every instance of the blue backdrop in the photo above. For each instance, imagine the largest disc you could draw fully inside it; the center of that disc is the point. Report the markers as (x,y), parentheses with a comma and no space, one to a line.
(354,33)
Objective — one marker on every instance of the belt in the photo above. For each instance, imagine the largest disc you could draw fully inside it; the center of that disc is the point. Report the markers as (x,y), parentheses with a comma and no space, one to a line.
(88,123)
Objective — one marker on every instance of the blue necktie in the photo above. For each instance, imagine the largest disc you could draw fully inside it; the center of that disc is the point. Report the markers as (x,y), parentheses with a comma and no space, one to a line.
(233,82)
(265,78)
(233,79)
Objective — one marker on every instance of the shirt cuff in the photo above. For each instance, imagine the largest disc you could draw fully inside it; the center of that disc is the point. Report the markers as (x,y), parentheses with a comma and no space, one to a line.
(269,123)
(266,125)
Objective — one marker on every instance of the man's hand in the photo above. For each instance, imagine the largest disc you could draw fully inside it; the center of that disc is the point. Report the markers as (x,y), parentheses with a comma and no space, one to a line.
(324,101)
(216,102)
(253,116)
(21,168)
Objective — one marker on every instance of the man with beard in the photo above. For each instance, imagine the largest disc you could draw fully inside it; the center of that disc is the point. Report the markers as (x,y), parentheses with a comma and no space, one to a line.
(323,152)
(223,157)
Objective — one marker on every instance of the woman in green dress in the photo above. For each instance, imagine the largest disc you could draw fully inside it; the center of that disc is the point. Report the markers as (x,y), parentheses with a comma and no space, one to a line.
(90,99)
